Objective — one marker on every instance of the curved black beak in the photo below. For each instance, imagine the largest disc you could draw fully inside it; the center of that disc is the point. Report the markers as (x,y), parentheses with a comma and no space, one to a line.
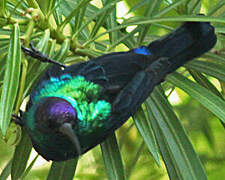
(67,130)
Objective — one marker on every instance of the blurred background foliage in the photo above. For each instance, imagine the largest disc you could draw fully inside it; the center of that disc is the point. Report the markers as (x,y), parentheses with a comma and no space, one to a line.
(155,144)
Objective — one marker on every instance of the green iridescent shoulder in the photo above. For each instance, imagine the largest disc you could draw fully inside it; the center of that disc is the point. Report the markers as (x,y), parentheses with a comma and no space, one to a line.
(85,96)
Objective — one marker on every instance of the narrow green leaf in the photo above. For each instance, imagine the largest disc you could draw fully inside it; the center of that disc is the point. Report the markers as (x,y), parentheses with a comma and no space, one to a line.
(138,5)
(33,4)
(101,46)
(35,66)
(215,57)
(203,81)
(210,68)
(167,156)
(29,167)
(215,8)
(122,39)
(145,129)
(58,17)
(134,161)
(194,6)
(52,48)
(3,21)
(6,171)
(63,51)
(88,52)
(92,12)
(44,5)
(152,8)
(220,29)
(112,159)
(51,5)
(42,46)
(11,80)
(111,23)
(98,24)
(2,8)
(79,5)
(2,65)
(5,31)
(98,13)
(169,8)
(129,42)
(79,18)
(122,139)
(208,99)
(143,20)
(183,18)
(62,170)
(21,156)
(179,156)
(4,42)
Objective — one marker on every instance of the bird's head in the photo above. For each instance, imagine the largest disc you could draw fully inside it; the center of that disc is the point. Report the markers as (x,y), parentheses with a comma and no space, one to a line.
(52,122)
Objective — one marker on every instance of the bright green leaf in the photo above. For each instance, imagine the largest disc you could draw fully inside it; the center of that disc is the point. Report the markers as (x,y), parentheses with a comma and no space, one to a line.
(208,99)
(11,80)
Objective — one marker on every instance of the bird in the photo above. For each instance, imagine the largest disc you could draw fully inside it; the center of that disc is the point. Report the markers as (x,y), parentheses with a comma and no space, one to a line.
(73,108)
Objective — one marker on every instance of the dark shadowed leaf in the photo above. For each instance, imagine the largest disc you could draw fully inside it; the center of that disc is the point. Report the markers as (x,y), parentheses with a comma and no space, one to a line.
(62,170)
(179,156)
(21,156)
(112,159)
(144,127)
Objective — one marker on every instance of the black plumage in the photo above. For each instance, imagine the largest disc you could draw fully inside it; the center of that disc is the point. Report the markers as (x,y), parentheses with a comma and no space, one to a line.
(129,77)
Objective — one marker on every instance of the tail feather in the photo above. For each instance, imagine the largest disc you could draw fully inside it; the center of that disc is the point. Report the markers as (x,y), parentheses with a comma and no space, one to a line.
(192,39)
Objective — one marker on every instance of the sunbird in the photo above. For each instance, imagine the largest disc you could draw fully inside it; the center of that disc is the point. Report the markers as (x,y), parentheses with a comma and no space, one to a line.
(73,108)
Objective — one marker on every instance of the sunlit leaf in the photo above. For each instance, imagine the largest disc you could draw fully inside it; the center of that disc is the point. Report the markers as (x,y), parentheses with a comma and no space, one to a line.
(209,68)
(11,80)
(6,171)
(209,100)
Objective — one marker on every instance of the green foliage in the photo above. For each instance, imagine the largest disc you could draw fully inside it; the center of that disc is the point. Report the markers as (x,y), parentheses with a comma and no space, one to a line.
(71,31)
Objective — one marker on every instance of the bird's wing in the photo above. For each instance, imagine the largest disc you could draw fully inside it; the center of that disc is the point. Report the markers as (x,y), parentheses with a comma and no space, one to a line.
(129,98)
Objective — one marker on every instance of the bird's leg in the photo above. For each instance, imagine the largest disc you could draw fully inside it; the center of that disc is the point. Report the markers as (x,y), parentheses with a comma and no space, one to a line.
(33,52)
(18,119)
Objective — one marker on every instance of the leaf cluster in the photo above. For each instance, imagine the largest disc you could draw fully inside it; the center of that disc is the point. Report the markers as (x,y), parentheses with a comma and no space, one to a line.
(71,31)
